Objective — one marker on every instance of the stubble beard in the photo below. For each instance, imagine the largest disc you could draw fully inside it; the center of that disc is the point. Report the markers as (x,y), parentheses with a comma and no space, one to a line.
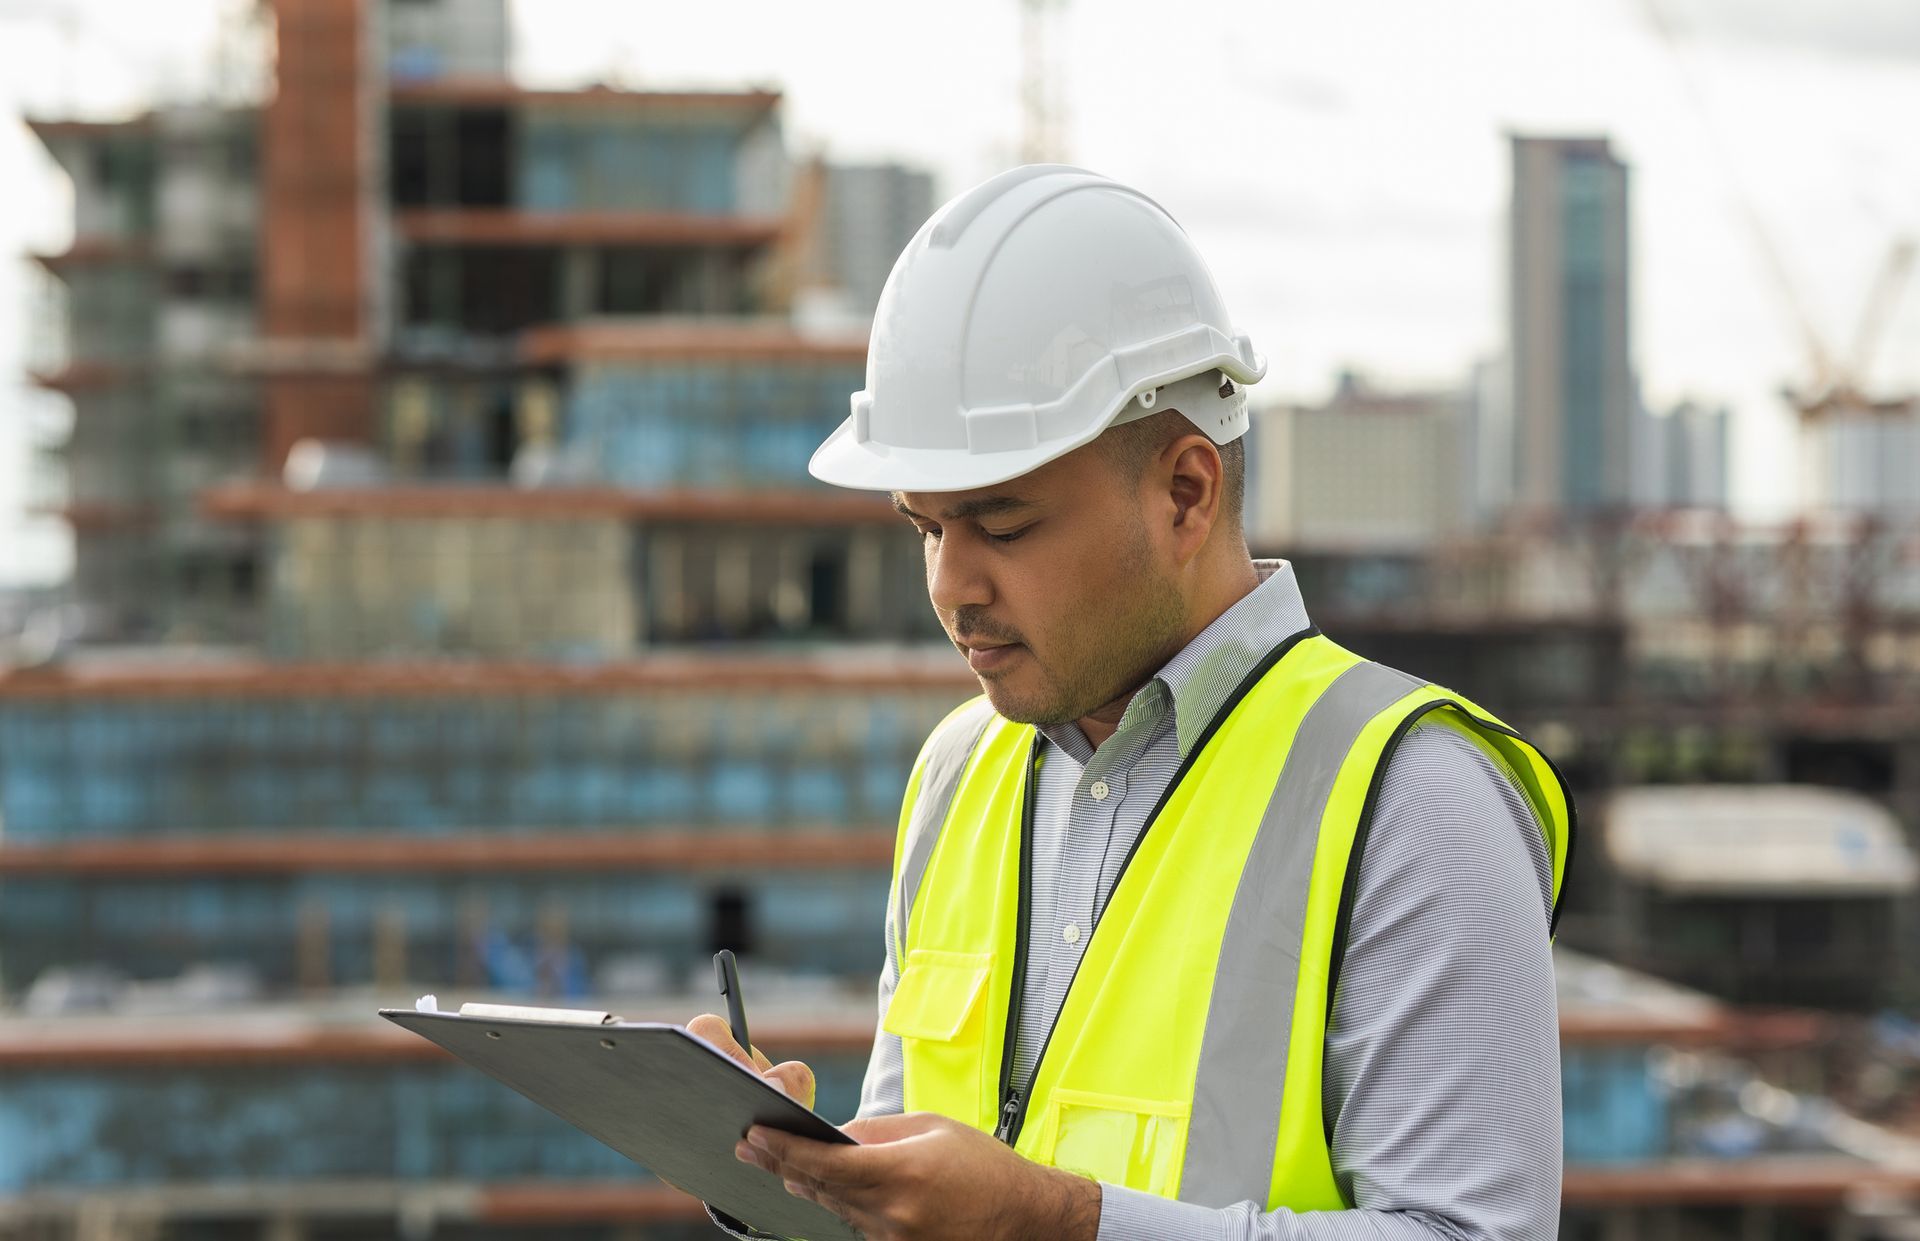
(1107,661)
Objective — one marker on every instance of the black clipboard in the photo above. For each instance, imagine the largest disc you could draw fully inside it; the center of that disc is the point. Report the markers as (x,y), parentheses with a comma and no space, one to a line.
(663,1097)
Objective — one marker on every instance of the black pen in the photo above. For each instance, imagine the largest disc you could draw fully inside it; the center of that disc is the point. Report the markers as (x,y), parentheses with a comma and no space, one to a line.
(727,971)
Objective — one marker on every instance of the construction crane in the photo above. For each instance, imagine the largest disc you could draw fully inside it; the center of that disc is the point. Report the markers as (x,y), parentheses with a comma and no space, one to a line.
(1836,386)
(1839,389)
(1042,92)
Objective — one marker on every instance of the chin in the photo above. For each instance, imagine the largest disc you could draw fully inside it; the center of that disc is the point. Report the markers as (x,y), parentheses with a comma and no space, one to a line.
(1018,709)
(1010,706)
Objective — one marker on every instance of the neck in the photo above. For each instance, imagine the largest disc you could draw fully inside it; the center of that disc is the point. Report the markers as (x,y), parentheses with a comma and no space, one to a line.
(1221,591)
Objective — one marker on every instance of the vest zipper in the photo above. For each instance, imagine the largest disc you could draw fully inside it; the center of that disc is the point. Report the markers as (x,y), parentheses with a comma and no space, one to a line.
(1013,1104)
(1013,1112)
(1009,1113)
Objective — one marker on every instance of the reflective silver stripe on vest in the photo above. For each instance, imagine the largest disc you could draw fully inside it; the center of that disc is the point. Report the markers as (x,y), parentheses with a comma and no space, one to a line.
(947,755)
(1235,1126)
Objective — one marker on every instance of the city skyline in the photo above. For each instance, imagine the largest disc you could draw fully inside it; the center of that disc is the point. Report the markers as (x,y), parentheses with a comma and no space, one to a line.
(1385,258)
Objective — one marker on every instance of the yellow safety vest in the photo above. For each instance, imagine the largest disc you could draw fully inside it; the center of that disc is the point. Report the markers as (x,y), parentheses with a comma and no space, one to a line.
(1187,1056)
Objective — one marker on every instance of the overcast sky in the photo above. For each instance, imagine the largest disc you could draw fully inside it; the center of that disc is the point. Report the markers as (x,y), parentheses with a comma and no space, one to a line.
(1343,166)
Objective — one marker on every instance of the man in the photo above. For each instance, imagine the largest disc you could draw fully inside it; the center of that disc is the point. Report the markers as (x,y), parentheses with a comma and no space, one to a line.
(1201,926)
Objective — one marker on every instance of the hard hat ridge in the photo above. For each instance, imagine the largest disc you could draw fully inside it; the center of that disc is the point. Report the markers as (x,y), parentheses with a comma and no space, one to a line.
(946,225)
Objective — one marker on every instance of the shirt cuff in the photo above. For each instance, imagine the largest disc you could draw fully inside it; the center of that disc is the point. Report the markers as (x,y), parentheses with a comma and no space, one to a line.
(1133,1215)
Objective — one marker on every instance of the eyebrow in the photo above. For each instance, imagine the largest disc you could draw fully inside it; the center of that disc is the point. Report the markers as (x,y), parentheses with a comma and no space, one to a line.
(967,510)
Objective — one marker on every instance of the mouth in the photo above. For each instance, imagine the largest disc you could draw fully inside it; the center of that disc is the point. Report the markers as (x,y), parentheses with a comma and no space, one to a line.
(987,658)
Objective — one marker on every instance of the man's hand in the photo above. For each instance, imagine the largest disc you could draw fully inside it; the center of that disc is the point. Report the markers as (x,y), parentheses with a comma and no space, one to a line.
(793,1077)
(924,1176)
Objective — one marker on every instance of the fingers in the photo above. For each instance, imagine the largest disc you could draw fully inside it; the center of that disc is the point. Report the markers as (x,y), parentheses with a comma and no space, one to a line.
(716,1031)
(843,1179)
(793,1077)
(802,1186)
(819,1163)
(796,1079)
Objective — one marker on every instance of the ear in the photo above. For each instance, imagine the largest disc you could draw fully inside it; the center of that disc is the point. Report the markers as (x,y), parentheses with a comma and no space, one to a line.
(1196,483)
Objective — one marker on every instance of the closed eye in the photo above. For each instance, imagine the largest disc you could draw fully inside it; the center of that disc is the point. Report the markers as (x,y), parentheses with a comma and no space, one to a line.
(933,532)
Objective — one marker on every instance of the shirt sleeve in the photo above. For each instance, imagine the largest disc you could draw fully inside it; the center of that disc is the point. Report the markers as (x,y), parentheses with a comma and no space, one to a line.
(1442,1061)
(883,1093)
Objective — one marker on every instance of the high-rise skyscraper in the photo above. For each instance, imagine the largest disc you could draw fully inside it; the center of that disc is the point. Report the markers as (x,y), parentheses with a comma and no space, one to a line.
(1573,400)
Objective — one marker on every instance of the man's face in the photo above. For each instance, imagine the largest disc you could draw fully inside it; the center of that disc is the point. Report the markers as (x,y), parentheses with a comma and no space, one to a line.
(1051,584)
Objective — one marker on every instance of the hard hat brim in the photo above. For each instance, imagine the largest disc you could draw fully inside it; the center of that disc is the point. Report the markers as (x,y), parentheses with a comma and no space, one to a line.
(846,459)
(846,462)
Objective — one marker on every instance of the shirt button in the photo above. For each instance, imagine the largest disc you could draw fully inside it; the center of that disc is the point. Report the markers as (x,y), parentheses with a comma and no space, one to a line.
(1099,791)
(1071,934)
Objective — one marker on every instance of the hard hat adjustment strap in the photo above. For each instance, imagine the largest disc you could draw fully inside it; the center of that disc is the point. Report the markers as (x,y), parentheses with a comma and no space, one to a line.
(1209,400)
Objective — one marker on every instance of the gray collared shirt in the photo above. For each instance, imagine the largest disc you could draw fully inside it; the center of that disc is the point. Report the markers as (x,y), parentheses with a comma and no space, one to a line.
(1442,1079)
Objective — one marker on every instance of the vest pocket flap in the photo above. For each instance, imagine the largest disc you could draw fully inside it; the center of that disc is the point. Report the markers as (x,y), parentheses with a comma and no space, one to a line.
(938,994)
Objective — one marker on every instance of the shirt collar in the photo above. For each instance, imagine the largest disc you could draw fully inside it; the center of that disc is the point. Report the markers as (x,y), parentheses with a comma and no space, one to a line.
(1198,681)
(1207,671)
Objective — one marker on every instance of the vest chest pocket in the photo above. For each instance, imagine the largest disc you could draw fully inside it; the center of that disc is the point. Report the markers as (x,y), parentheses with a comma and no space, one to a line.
(1136,1143)
(938,1009)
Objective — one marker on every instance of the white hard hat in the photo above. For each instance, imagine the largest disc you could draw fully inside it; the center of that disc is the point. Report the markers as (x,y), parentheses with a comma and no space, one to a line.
(1021,321)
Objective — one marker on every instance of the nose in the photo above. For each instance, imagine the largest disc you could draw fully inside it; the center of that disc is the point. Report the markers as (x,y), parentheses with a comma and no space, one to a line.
(956,576)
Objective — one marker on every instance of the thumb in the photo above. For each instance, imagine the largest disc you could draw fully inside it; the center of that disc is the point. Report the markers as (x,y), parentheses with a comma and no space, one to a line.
(870,1130)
